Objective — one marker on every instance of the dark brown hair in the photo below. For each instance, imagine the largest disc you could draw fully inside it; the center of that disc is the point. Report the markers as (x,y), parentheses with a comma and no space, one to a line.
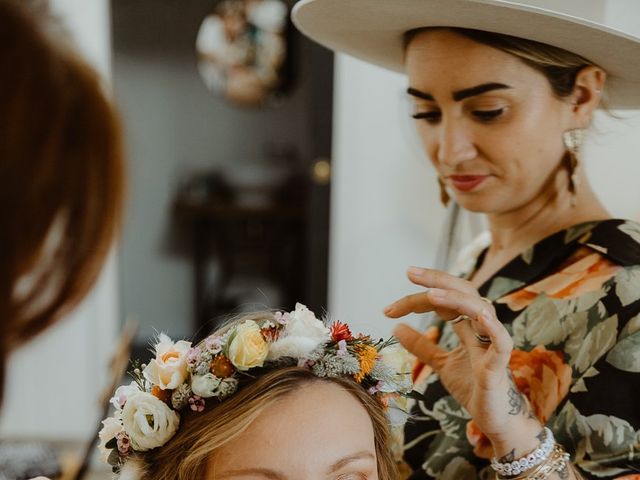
(61,175)
(559,66)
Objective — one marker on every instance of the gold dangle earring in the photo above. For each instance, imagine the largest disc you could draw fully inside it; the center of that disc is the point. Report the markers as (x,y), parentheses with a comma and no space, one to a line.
(573,140)
(444,195)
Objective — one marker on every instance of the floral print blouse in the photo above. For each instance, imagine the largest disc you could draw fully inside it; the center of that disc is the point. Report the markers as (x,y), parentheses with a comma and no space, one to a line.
(572,305)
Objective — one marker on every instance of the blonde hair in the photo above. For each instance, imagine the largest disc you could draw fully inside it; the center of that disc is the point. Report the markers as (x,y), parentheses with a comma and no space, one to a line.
(185,456)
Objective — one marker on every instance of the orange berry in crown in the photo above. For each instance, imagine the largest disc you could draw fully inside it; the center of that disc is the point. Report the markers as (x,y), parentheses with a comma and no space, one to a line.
(164,395)
(221,367)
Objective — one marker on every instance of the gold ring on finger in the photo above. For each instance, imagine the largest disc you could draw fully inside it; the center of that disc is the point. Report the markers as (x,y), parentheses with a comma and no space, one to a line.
(458,319)
(483,339)
(486,300)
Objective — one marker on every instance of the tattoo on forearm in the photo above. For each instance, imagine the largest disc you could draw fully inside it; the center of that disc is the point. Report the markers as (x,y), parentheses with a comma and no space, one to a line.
(515,401)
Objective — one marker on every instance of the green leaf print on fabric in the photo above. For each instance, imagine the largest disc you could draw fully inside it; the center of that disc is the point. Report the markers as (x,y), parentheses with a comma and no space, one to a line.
(441,452)
(527,255)
(452,441)
(600,442)
(627,285)
(551,322)
(600,339)
(458,469)
(500,286)
(625,354)
(632,229)
(452,417)
(577,231)
(606,440)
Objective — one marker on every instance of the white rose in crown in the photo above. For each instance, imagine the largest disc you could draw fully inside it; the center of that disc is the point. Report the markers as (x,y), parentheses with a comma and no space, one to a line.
(148,421)
(301,336)
(248,348)
(205,386)
(110,428)
(400,361)
(122,393)
(169,368)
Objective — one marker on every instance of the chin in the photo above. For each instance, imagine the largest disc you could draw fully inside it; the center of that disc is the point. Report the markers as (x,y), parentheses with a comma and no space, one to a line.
(475,204)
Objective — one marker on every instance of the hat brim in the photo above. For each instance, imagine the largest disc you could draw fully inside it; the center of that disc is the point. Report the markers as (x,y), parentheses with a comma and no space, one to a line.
(373,30)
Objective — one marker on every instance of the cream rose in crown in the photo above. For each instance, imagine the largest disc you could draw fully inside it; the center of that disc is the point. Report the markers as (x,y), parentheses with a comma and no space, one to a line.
(169,368)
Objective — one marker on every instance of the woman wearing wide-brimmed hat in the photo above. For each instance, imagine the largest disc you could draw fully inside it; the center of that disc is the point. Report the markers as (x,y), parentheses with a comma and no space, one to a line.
(535,370)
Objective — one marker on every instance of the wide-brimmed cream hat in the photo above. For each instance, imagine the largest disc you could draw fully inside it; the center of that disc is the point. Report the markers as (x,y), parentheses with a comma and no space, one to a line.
(373,30)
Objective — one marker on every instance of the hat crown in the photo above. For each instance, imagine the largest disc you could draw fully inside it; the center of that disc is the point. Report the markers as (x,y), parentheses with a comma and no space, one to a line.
(373,31)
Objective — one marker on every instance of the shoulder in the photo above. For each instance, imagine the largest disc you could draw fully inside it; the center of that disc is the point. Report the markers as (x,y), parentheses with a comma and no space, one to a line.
(616,239)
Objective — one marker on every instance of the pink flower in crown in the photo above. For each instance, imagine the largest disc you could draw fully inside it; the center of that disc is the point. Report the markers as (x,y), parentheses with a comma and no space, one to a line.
(124,443)
(169,368)
(282,317)
(342,349)
(193,356)
(376,388)
(122,393)
(213,344)
(196,403)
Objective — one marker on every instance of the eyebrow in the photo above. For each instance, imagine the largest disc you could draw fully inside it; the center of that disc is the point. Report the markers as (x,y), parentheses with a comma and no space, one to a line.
(459,95)
(273,475)
(263,472)
(351,458)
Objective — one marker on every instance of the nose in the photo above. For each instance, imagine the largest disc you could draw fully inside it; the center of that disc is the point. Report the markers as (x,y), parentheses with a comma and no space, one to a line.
(455,143)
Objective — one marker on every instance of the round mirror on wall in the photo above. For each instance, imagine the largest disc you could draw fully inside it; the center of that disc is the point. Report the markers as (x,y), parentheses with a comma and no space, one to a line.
(242,50)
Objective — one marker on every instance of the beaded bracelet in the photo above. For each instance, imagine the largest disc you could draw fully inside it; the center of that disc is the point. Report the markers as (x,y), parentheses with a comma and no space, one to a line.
(557,462)
(527,462)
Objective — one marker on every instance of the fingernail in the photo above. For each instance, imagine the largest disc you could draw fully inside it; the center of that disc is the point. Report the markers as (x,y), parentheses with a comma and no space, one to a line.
(416,271)
(388,309)
(436,292)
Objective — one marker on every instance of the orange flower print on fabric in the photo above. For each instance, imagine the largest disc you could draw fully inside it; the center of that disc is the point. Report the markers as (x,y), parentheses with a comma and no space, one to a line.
(587,272)
(543,377)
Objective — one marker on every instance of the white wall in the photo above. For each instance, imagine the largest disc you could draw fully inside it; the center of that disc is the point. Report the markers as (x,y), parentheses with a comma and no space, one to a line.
(385,213)
(54,382)
(385,209)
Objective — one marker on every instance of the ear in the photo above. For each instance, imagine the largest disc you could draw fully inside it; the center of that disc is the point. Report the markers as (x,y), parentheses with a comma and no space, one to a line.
(587,94)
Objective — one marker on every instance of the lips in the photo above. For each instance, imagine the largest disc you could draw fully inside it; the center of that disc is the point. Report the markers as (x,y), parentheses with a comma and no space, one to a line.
(466,183)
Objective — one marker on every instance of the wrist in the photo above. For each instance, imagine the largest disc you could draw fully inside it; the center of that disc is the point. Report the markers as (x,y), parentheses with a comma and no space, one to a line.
(520,441)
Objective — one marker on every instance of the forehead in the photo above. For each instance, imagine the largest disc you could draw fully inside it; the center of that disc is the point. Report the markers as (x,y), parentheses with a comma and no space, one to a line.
(320,421)
(442,57)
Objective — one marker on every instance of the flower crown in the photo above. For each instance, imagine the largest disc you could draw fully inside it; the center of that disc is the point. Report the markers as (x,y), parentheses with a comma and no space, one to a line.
(185,377)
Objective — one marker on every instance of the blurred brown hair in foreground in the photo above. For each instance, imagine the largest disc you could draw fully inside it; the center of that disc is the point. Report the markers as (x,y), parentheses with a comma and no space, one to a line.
(61,175)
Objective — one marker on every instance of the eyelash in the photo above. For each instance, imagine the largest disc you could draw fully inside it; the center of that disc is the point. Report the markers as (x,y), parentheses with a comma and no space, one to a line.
(352,476)
(486,116)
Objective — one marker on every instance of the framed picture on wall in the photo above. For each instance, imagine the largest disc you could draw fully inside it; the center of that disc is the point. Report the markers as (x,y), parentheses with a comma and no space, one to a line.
(242,50)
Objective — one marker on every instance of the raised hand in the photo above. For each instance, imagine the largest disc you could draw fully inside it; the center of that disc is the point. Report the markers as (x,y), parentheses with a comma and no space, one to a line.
(476,373)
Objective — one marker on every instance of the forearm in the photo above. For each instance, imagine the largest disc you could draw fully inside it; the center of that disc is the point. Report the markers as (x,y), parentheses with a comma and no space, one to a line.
(529,437)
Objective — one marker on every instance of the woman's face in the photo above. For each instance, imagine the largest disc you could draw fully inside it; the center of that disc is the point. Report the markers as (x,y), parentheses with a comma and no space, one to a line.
(319,432)
(489,123)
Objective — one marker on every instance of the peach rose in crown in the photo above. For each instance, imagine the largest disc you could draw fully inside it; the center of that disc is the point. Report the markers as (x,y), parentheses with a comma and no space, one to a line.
(169,369)
(248,348)
(543,377)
